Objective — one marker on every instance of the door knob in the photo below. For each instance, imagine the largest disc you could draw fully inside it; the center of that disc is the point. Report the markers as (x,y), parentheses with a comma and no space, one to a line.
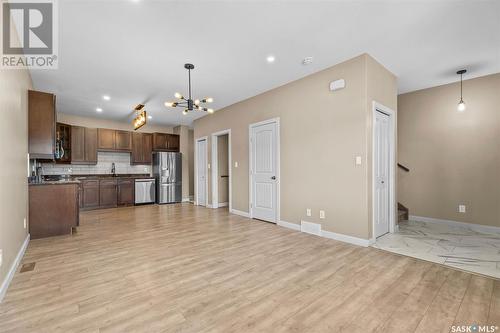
(273,177)
(382,182)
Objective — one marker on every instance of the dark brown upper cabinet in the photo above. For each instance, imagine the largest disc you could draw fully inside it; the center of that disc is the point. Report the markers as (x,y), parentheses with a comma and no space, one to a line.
(41,125)
(123,140)
(63,143)
(165,142)
(106,139)
(142,148)
(83,145)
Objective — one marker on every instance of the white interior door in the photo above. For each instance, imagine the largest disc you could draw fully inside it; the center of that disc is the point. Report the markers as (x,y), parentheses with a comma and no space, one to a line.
(202,172)
(381,173)
(264,157)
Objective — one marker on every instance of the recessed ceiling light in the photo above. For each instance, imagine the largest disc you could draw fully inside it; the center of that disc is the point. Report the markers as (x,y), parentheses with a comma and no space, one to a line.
(106,97)
(150,117)
(270,59)
(98,110)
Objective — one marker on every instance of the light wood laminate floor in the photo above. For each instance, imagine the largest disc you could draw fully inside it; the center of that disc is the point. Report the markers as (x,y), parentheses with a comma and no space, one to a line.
(180,268)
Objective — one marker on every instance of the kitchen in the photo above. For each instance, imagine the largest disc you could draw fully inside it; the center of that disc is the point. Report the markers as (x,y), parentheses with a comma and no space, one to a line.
(80,164)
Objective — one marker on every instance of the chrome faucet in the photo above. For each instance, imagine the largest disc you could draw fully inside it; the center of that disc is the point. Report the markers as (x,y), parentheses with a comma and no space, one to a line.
(113,169)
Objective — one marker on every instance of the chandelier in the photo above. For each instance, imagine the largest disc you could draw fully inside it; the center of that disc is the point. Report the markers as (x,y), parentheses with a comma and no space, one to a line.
(187,103)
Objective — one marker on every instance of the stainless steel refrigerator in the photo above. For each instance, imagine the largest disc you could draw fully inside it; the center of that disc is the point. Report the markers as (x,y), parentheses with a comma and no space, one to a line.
(167,170)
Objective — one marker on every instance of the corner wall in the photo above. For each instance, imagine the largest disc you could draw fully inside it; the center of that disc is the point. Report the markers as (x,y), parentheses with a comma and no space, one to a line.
(453,157)
(321,134)
(14,86)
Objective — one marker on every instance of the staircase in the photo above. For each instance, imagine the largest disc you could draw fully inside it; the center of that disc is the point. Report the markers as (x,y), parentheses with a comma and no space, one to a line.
(403,213)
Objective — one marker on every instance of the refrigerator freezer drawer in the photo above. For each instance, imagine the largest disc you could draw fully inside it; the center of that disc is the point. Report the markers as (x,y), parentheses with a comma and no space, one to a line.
(170,193)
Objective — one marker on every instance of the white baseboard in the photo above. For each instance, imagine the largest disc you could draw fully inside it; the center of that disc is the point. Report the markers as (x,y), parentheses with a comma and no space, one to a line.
(209,206)
(345,238)
(474,227)
(13,268)
(289,225)
(326,234)
(223,204)
(186,200)
(239,212)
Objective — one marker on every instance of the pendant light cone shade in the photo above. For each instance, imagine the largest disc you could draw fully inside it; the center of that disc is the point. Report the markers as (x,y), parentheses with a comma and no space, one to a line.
(461,105)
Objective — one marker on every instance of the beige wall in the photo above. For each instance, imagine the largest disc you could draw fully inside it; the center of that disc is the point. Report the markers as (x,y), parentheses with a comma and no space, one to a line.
(183,132)
(191,162)
(321,134)
(453,157)
(14,85)
(112,124)
(223,168)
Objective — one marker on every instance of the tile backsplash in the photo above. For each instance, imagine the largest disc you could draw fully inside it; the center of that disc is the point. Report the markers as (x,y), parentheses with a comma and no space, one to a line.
(103,166)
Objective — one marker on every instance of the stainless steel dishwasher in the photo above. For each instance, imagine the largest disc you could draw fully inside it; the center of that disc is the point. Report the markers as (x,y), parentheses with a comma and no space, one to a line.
(145,191)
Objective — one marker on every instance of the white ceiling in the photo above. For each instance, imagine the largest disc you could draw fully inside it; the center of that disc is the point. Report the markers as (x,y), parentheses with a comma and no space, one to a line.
(134,51)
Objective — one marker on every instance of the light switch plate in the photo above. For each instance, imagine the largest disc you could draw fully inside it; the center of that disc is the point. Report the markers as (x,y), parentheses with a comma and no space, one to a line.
(321,214)
(235,164)
(358,160)
(308,212)
(461,208)
(24,223)
(208,166)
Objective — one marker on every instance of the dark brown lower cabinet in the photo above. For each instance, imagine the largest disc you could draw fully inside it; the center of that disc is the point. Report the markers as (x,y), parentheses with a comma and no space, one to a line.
(90,194)
(126,195)
(53,209)
(108,196)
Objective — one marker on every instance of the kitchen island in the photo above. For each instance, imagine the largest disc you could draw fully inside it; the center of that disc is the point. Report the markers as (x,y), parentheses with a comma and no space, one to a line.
(53,208)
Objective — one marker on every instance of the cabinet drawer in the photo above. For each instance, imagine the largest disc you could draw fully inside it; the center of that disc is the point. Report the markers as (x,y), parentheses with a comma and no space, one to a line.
(107,182)
(90,183)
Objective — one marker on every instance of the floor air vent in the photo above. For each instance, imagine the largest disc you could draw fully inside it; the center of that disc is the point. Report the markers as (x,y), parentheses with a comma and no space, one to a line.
(310,228)
(28,267)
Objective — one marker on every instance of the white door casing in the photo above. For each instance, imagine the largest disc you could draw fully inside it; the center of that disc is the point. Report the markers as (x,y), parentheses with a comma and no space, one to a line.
(215,175)
(201,172)
(381,165)
(264,171)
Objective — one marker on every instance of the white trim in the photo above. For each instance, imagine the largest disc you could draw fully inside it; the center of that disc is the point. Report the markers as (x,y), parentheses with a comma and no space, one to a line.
(278,165)
(186,200)
(215,168)
(346,238)
(196,170)
(377,107)
(13,268)
(475,227)
(289,225)
(331,235)
(239,212)
(223,204)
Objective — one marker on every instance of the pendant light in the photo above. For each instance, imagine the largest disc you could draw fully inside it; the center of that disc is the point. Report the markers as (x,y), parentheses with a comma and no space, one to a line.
(461,104)
(188,104)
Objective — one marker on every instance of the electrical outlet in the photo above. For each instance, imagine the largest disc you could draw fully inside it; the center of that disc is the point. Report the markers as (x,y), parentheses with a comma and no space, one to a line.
(308,212)
(461,208)
(24,223)
(321,214)
(358,160)
(235,164)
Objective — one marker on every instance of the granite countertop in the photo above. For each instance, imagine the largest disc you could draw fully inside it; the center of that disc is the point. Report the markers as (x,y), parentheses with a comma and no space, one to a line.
(94,176)
(55,182)
(76,179)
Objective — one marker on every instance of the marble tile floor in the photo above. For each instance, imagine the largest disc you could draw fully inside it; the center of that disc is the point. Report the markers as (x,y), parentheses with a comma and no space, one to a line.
(457,247)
